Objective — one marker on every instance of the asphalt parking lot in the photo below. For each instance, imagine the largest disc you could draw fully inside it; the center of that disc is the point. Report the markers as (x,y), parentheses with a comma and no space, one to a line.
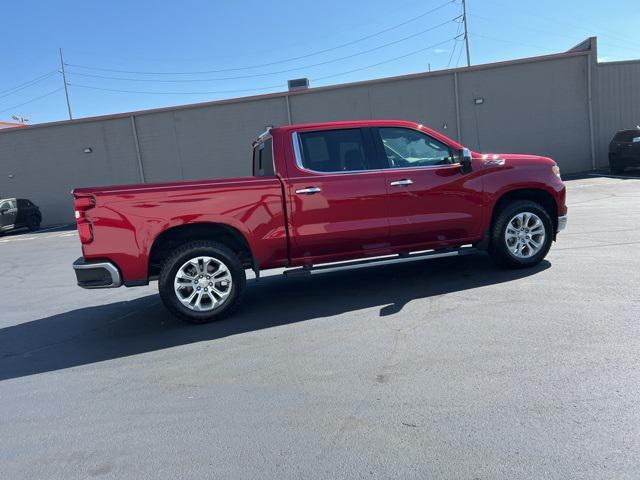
(447,368)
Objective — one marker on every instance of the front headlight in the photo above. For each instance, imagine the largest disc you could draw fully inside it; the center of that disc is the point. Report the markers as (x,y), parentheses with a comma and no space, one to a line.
(556,170)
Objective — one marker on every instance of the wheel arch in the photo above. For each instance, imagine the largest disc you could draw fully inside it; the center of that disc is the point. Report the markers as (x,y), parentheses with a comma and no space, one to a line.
(538,195)
(225,234)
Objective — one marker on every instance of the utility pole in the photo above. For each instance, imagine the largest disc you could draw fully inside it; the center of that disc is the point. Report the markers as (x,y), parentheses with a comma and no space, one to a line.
(466,32)
(66,90)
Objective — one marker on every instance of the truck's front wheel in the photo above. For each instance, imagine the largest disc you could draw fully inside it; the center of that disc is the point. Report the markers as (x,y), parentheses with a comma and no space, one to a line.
(521,235)
(201,281)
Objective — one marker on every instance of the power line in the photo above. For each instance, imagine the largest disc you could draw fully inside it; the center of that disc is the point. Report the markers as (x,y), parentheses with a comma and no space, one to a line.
(256,75)
(249,67)
(178,93)
(398,6)
(510,42)
(555,33)
(32,100)
(22,86)
(574,26)
(459,56)
(415,52)
(453,50)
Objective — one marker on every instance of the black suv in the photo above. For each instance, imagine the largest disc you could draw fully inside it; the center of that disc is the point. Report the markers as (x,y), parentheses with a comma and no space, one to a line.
(18,213)
(624,150)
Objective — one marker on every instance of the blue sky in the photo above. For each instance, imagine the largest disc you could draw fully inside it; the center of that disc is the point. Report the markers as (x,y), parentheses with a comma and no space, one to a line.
(251,47)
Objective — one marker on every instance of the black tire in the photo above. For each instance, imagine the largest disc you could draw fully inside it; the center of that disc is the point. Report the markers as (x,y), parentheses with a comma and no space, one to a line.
(183,254)
(615,168)
(33,223)
(499,249)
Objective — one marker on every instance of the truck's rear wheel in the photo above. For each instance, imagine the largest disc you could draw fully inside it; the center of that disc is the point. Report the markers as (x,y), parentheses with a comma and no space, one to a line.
(521,235)
(201,281)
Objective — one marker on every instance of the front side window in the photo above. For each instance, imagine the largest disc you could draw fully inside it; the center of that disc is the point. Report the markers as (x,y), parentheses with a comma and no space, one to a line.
(263,159)
(334,151)
(407,148)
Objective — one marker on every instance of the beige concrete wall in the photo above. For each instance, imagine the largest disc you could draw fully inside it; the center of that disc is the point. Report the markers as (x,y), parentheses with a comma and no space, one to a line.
(618,102)
(538,107)
(44,164)
(206,142)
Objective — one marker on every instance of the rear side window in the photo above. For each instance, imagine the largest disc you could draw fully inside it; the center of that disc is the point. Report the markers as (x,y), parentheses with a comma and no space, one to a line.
(263,159)
(334,151)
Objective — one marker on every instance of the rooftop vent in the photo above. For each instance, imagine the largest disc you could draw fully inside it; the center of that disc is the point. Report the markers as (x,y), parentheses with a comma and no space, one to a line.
(298,84)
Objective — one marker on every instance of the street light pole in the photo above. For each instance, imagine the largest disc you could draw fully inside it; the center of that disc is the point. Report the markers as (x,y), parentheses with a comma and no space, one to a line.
(64,80)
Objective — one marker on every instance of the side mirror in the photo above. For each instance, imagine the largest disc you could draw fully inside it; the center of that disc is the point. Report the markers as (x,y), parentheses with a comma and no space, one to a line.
(465,161)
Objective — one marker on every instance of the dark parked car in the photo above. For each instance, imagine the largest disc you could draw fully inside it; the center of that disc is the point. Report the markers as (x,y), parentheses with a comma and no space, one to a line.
(624,150)
(19,213)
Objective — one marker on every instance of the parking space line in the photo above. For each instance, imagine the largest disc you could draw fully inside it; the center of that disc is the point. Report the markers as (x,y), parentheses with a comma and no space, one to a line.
(38,237)
(623,177)
(15,239)
(54,228)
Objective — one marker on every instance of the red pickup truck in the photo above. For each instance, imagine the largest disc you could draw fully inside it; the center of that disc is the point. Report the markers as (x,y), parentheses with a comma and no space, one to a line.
(322,197)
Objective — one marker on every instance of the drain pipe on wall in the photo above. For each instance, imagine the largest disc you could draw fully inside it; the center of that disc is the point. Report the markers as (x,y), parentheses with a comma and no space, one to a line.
(286,97)
(137,145)
(457,98)
(590,104)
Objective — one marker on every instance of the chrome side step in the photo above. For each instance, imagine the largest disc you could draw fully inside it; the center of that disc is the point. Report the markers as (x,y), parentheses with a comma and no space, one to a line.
(376,261)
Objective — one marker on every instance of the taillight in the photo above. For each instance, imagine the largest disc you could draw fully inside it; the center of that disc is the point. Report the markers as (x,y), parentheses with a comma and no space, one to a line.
(82,203)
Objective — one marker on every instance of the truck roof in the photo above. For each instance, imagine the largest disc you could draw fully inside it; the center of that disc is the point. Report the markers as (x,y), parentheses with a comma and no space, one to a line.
(284,129)
(349,123)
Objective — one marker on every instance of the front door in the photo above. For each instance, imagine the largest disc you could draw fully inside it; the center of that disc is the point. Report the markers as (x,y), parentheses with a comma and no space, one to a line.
(431,202)
(337,196)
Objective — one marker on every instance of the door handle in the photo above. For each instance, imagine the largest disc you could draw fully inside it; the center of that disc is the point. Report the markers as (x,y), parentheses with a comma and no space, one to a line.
(399,183)
(308,191)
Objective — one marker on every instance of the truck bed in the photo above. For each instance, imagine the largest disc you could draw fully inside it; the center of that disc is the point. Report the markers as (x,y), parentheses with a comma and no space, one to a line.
(128,219)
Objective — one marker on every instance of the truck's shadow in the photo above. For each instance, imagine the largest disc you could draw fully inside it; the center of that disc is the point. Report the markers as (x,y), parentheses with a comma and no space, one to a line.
(95,334)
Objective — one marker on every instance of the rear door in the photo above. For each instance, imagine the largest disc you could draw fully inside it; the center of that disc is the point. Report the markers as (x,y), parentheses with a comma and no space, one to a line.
(337,195)
(8,213)
(431,202)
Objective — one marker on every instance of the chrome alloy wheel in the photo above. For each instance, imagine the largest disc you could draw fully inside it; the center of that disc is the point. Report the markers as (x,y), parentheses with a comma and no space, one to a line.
(525,235)
(203,283)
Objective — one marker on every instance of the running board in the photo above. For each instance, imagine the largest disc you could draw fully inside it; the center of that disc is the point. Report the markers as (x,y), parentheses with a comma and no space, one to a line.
(387,260)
